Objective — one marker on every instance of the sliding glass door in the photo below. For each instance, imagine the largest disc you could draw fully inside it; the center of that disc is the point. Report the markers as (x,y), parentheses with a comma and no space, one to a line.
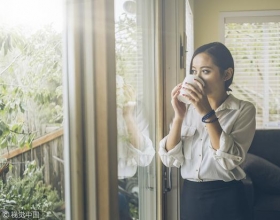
(110,110)
(135,92)
(82,83)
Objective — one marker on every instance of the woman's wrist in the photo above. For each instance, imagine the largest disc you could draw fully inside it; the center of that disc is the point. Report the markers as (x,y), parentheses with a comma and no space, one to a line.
(178,119)
(129,119)
(210,117)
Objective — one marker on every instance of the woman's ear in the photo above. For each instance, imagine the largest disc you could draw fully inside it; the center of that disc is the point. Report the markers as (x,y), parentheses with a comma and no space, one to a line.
(228,74)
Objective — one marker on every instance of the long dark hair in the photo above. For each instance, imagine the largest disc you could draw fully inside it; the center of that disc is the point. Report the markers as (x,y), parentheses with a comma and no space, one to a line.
(221,57)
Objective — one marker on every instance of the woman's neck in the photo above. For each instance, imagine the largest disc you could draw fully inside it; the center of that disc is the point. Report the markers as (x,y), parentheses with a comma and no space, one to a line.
(216,101)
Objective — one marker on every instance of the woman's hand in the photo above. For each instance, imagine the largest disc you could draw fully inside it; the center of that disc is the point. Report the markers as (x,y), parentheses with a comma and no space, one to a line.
(128,110)
(179,107)
(130,98)
(198,97)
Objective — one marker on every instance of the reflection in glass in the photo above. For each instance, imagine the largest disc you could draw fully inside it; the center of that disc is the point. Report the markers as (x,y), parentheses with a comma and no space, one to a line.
(135,148)
(135,108)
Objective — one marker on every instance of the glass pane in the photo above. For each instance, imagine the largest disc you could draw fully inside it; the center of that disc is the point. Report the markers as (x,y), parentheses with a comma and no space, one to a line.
(134,25)
(255,48)
(31,109)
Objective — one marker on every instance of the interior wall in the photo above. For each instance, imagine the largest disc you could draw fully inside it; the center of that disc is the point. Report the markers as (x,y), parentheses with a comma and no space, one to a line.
(206,15)
(191,2)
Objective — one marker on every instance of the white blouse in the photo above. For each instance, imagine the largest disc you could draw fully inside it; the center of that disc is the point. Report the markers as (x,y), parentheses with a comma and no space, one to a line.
(129,157)
(198,160)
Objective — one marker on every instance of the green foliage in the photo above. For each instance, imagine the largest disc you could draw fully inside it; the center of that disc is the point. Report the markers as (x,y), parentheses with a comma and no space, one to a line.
(133,210)
(30,83)
(126,47)
(11,134)
(30,193)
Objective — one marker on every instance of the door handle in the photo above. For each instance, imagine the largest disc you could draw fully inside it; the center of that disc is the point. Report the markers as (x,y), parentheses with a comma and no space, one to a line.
(167,179)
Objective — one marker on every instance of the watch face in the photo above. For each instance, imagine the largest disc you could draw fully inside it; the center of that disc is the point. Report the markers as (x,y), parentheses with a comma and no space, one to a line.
(129,6)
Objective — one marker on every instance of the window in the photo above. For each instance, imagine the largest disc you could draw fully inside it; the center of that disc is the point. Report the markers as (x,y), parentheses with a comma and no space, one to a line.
(254,41)
(31,109)
(135,75)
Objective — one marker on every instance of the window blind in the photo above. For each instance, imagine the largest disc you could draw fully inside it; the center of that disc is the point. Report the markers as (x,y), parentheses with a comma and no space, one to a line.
(255,46)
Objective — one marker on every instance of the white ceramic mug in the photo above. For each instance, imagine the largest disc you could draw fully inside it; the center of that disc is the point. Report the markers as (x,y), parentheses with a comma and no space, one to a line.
(191,80)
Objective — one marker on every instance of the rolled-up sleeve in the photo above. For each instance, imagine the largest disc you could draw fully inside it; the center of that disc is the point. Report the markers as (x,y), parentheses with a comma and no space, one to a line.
(172,158)
(144,156)
(235,144)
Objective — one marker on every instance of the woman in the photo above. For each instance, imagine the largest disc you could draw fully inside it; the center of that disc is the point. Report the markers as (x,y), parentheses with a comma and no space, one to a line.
(209,139)
(135,148)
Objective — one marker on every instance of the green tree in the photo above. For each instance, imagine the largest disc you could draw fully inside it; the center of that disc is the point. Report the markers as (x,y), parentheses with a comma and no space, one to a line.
(30,83)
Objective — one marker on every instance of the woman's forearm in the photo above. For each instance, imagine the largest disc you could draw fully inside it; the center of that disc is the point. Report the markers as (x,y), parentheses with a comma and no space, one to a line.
(174,136)
(214,130)
(135,136)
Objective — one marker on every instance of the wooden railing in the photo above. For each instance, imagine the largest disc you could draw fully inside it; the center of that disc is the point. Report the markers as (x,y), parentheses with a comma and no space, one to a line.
(36,143)
(47,151)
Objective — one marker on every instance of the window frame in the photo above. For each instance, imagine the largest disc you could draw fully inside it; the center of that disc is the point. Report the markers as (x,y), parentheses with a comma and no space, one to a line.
(240,16)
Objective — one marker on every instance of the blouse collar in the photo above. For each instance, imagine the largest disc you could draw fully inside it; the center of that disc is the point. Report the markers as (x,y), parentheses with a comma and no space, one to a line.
(230,103)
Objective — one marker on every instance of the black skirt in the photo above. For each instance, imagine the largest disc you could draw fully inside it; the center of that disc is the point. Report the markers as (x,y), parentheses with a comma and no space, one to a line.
(214,200)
